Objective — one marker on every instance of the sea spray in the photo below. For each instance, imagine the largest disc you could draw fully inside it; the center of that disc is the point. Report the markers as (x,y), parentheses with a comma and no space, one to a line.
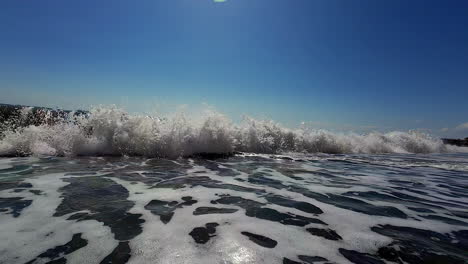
(112,131)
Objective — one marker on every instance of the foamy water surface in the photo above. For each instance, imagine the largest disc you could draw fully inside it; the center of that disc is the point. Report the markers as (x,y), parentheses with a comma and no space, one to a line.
(249,208)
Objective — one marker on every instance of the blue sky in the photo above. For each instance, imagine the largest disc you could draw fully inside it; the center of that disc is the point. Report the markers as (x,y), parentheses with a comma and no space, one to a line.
(353,65)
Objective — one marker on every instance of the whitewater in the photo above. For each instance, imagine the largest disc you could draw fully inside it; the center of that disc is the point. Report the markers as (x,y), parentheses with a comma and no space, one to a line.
(106,186)
(112,131)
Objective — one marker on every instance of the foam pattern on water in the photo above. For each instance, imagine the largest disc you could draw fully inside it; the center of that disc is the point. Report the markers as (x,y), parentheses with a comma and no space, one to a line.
(111,131)
(298,208)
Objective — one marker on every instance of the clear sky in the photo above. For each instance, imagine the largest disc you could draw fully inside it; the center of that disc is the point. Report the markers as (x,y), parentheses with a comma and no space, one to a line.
(388,65)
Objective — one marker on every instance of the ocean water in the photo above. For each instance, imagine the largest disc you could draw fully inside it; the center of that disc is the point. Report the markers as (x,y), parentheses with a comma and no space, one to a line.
(106,186)
(112,131)
(248,208)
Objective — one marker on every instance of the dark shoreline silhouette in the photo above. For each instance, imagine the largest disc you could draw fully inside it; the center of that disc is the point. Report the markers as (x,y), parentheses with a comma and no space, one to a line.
(456,142)
(15,117)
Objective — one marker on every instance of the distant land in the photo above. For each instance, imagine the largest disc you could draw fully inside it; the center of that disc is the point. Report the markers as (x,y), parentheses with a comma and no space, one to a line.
(456,142)
(15,117)
(37,116)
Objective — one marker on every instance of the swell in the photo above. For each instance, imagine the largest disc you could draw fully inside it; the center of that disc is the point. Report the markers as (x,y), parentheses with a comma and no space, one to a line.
(111,131)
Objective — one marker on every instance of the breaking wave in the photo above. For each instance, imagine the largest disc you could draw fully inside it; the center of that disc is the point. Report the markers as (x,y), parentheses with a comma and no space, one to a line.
(112,131)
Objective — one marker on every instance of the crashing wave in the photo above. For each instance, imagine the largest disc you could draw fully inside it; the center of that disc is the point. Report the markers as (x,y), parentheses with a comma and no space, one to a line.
(112,131)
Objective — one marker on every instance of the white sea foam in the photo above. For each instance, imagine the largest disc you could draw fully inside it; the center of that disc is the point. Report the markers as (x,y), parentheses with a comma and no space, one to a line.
(112,131)
(229,246)
(35,230)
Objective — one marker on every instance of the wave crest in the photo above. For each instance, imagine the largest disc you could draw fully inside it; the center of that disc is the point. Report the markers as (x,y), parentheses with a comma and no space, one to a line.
(112,131)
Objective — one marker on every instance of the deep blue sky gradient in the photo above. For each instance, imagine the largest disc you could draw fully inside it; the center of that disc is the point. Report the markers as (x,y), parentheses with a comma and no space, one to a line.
(352,64)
